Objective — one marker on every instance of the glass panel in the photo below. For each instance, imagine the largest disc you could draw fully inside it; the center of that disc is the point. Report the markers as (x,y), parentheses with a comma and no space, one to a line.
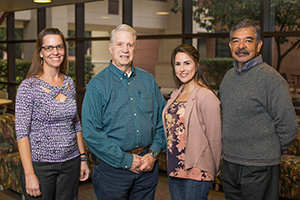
(154,56)
(24,53)
(71,58)
(3,87)
(287,15)
(156,17)
(89,65)
(218,15)
(96,61)
(105,21)
(286,63)
(2,33)
(113,7)
(3,95)
(3,70)
(60,17)
(222,48)
(26,24)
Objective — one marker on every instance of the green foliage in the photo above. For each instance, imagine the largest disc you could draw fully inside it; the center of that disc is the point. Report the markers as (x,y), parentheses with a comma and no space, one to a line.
(22,67)
(213,13)
(71,44)
(219,15)
(3,70)
(18,46)
(89,69)
(215,68)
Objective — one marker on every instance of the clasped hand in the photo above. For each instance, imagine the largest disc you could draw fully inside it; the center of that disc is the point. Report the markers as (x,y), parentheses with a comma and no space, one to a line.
(142,163)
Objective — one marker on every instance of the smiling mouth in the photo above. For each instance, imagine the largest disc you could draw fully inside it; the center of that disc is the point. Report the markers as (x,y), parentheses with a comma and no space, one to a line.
(124,57)
(183,75)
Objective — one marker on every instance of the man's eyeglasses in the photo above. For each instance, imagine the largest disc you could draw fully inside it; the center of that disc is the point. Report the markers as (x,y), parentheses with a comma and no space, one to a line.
(51,48)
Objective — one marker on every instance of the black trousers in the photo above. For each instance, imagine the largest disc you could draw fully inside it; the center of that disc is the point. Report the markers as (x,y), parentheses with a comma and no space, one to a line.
(58,181)
(241,182)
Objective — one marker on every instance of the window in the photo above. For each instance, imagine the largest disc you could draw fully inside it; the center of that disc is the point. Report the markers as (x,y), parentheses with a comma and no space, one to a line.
(113,7)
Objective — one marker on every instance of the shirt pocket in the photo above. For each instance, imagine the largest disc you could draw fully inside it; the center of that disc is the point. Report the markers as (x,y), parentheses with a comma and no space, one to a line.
(147,102)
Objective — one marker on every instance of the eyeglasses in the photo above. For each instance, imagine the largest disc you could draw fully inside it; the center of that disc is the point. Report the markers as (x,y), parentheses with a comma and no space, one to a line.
(51,48)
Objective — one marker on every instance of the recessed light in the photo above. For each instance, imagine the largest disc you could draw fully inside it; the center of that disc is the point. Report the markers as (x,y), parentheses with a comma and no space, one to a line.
(162,13)
(42,1)
(105,17)
(207,18)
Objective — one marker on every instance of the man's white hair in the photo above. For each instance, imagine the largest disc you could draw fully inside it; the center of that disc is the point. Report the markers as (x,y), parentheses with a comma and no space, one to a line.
(123,27)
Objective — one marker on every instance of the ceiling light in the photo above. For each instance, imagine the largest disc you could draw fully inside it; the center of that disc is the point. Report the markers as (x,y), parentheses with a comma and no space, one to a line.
(207,18)
(104,17)
(162,13)
(42,1)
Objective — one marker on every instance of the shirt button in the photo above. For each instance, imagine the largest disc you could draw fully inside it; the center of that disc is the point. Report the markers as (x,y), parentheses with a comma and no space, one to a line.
(137,130)
(125,166)
(121,78)
(134,114)
(137,146)
(128,83)
(125,74)
(131,99)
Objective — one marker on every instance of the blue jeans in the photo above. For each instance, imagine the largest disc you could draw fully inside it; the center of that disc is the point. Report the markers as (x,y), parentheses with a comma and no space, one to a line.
(187,189)
(121,184)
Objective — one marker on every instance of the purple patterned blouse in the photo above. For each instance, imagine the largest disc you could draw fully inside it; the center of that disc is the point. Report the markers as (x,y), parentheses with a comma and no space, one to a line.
(50,125)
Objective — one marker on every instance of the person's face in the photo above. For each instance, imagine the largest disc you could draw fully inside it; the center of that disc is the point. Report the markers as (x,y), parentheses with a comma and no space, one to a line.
(185,68)
(53,57)
(244,46)
(122,49)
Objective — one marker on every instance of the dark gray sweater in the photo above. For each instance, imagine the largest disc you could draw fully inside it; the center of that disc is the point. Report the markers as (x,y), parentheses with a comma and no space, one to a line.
(258,118)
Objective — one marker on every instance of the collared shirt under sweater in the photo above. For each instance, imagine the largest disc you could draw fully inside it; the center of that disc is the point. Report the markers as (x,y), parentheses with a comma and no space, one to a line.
(258,118)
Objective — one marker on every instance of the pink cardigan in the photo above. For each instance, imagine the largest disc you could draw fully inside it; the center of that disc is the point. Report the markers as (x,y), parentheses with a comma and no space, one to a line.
(203,129)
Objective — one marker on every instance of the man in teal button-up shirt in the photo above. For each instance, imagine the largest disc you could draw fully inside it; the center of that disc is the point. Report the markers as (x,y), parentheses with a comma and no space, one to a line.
(121,112)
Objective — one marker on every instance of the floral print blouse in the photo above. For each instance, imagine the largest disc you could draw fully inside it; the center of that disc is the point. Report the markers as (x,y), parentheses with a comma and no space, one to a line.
(176,145)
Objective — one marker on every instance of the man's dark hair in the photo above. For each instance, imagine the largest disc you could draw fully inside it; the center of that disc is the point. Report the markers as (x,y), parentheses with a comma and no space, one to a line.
(246,23)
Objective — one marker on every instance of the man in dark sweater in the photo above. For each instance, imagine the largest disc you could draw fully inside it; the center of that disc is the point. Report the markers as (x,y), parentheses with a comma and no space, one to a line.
(258,119)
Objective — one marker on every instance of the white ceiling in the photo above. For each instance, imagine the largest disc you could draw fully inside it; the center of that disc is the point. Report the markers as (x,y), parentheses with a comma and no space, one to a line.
(17,5)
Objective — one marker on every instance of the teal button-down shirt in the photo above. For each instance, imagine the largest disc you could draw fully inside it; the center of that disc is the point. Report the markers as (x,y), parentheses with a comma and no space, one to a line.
(121,113)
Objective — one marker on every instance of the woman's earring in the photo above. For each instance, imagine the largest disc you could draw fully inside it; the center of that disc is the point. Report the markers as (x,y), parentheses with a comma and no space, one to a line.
(42,60)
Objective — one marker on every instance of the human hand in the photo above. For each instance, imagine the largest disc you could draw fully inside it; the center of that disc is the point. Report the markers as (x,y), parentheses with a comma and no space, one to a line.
(136,163)
(84,171)
(148,163)
(32,185)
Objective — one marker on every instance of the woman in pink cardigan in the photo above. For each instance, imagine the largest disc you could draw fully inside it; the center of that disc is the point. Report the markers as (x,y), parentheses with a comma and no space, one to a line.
(192,125)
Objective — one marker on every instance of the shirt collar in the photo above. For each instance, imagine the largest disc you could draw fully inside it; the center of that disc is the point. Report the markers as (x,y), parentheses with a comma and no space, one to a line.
(119,73)
(248,65)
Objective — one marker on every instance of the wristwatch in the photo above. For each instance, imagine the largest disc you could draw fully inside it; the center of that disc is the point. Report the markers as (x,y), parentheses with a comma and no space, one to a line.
(153,153)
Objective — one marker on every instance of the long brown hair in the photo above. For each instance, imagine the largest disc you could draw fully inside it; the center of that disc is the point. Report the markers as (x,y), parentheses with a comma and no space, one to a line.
(193,54)
(36,68)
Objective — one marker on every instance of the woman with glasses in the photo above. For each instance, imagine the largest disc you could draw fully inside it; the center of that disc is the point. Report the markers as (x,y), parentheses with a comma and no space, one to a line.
(48,128)
(192,125)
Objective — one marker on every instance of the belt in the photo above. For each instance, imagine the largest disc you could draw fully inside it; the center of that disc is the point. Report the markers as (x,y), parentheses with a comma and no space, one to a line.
(137,150)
